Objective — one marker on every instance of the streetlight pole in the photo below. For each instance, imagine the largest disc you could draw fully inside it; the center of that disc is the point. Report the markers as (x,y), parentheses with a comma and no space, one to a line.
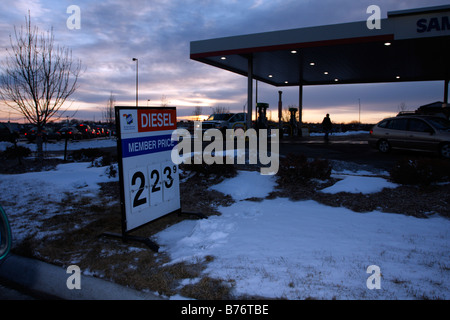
(359,101)
(137,67)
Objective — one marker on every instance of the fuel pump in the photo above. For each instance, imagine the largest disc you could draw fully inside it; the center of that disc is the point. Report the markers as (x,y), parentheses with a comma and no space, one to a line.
(293,122)
(261,122)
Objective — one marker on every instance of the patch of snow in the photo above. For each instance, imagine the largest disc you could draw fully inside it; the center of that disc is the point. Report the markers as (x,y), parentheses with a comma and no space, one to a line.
(358,184)
(247,184)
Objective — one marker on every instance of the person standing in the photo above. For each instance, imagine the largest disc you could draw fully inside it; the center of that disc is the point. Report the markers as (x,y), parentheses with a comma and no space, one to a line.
(327,126)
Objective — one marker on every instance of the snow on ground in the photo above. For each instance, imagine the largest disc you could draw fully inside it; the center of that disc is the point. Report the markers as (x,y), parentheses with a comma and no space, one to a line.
(358,184)
(4,145)
(32,197)
(276,248)
(243,186)
(71,145)
(112,142)
(295,250)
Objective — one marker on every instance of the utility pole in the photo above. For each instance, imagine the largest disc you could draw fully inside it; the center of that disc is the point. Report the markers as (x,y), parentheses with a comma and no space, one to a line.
(137,67)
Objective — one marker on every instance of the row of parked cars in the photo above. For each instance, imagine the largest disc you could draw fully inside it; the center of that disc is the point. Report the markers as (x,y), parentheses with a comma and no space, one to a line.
(78,132)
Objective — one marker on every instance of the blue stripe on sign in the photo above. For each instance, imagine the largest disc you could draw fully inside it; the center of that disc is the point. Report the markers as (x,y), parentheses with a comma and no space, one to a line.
(145,145)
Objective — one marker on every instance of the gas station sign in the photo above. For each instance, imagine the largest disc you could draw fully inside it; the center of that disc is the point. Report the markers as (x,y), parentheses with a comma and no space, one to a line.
(149,179)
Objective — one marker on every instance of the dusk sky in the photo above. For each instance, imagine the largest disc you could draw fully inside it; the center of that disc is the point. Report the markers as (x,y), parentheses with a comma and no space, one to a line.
(159,32)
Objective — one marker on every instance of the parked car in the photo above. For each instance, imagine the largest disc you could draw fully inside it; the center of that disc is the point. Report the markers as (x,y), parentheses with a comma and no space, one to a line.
(86,131)
(99,131)
(238,120)
(107,132)
(223,121)
(217,121)
(47,134)
(412,132)
(70,133)
(6,134)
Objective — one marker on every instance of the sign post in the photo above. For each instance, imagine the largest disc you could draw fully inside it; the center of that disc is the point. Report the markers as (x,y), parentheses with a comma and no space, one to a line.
(149,180)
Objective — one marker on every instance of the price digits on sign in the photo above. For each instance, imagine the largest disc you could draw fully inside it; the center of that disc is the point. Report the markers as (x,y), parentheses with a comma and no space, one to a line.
(159,183)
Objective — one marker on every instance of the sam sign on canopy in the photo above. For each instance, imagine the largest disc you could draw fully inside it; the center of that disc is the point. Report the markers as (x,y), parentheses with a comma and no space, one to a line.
(149,179)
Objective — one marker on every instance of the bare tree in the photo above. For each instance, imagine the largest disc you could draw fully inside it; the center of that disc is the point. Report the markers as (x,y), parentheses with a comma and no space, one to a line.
(197,112)
(402,107)
(108,112)
(220,109)
(285,115)
(37,76)
(164,101)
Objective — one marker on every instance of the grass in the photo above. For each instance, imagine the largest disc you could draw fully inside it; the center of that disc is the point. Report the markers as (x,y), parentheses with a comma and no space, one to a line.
(209,289)
(130,264)
(74,236)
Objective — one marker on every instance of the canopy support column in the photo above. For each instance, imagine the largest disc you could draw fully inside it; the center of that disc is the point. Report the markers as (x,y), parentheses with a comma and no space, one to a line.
(300,104)
(300,95)
(249,91)
(446,93)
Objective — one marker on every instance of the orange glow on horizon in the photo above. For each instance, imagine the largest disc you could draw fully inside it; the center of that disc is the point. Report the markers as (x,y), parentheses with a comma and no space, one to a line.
(93,112)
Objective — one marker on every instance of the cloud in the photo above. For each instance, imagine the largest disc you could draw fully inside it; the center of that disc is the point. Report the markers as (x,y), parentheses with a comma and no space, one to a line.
(159,32)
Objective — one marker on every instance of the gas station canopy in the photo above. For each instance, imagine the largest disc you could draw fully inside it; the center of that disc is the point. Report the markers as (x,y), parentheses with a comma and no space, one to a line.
(411,45)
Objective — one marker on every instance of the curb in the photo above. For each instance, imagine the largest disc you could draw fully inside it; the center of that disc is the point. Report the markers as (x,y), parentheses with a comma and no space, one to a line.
(51,280)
